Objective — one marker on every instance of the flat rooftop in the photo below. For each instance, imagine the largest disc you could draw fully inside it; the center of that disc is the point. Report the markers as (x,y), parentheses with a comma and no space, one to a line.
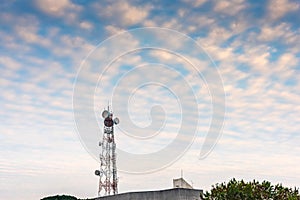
(168,194)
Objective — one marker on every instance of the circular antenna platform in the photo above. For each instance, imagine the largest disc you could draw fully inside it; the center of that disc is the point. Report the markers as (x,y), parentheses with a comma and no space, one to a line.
(108,122)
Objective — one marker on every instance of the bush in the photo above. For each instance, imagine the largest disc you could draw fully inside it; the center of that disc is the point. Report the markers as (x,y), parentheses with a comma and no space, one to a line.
(60,197)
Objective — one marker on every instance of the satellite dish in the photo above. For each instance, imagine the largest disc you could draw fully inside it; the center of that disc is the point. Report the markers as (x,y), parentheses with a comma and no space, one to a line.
(97,173)
(105,114)
(116,120)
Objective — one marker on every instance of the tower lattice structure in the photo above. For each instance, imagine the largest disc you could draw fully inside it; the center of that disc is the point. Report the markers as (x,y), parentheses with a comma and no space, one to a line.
(108,180)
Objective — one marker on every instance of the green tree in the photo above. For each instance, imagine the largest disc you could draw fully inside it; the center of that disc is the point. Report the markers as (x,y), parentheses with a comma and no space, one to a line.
(236,190)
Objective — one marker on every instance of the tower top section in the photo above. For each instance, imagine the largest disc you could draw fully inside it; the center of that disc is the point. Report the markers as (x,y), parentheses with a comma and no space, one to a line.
(108,118)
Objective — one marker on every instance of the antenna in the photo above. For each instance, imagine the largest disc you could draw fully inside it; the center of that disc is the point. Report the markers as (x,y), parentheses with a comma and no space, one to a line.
(108,181)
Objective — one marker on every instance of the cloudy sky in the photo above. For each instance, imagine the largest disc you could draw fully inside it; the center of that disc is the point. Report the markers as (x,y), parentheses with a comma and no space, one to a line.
(53,49)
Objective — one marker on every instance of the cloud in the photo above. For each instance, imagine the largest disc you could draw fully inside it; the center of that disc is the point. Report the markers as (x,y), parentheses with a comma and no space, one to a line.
(57,8)
(287,60)
(26,30)
(279,8)
(195,3)
(86,25)
(124,13)
(24,33)
(282,31)
(64,9)
(284,67)
(9,63)
(216,36)
(232,7)
(28,33)
(112,30)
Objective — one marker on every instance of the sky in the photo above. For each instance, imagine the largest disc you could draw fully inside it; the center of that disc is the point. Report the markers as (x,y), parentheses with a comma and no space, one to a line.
(207,87)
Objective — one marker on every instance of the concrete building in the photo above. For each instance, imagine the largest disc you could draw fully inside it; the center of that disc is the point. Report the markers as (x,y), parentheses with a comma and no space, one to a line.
(170,194)
(181,183)
(181,191)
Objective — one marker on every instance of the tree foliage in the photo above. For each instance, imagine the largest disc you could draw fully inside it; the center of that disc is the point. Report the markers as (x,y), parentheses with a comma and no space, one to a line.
(236,190)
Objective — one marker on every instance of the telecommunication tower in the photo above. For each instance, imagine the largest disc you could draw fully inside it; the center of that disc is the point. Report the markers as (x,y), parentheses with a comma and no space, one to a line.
(108,180)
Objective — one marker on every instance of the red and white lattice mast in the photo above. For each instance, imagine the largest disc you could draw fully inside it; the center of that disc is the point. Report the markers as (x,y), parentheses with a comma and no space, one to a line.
(108,181)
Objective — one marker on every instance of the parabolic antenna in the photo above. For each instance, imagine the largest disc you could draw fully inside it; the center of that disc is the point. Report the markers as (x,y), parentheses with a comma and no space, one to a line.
(105,114)
(116,120)
(97,173)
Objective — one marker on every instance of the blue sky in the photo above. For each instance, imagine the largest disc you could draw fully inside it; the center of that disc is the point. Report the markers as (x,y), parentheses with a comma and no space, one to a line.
(255,45)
